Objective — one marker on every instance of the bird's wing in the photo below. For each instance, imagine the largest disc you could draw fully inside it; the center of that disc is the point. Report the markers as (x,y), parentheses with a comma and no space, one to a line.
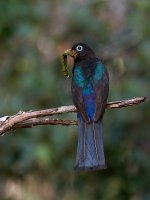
(77,96)
(101,88)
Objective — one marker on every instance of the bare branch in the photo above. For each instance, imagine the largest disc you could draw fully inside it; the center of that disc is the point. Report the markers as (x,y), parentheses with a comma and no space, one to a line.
(30,119)
(126,103)
(44,121)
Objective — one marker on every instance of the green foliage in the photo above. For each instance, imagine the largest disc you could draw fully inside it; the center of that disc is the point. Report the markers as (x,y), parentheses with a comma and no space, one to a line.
(38,163)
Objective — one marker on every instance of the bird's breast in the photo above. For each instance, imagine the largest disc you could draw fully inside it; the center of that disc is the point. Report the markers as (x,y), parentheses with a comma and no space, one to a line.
(78,77)
(88,74)
(88,93)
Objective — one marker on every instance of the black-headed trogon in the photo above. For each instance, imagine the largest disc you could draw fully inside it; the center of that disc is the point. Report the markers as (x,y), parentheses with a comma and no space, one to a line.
(90,87)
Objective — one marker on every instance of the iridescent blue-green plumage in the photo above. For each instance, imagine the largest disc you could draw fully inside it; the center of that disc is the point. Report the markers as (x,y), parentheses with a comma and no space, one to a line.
(90,85)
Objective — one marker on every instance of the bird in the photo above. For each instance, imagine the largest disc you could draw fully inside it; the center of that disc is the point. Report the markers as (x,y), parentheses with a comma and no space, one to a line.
(89,88)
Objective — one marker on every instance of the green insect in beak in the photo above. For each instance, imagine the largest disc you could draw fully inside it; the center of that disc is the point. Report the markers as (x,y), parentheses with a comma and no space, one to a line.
(68,52)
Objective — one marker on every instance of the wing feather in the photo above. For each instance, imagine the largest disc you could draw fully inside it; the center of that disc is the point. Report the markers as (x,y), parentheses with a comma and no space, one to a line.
(99,81)
(101,90)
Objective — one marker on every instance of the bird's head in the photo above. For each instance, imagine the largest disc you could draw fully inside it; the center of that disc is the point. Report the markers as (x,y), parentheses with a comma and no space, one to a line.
(80,51)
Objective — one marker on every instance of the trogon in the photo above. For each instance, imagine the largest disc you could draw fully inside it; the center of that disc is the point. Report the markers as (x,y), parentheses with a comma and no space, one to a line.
(90,87)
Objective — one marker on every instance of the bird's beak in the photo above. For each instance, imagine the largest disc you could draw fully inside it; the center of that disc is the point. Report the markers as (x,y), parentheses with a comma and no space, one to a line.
(71,53)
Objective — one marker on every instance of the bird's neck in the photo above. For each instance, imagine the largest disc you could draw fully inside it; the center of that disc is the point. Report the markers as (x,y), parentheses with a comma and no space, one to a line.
(85,62)
(86,67)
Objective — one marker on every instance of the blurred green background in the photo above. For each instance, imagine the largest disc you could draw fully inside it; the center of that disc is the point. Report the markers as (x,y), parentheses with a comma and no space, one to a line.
(38,163)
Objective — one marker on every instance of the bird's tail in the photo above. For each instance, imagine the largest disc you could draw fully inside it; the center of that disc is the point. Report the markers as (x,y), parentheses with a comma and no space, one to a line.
(90,151)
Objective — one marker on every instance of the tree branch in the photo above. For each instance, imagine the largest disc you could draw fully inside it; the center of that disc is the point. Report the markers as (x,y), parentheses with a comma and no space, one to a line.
(29,119)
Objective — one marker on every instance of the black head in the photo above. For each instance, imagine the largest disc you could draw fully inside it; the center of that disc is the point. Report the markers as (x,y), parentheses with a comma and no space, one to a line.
(82,51)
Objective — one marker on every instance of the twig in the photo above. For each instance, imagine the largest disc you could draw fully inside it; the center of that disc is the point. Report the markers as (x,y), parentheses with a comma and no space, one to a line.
(30,119)
(44,121)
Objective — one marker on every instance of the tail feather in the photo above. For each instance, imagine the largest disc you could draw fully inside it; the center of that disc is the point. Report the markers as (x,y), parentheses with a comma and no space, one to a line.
(90,151)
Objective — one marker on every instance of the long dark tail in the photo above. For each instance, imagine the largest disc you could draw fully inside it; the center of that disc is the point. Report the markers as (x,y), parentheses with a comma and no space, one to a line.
(90,151)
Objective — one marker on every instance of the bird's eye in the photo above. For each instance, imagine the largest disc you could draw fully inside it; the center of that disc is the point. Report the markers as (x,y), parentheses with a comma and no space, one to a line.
(79,48)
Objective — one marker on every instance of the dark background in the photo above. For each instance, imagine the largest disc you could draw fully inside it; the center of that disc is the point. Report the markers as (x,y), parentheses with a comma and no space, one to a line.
(38,163)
